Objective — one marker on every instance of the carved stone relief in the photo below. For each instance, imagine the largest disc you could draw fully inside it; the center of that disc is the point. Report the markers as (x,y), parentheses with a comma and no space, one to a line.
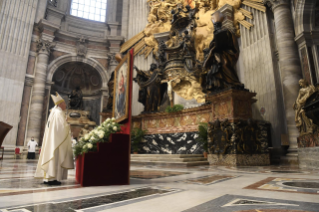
(81,48)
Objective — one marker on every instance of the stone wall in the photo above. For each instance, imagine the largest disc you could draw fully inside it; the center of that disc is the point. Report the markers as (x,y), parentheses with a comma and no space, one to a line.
(16,25)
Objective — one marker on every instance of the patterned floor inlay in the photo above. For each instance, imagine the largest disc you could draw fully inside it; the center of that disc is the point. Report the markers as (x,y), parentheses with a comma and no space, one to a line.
(233,203)
(15,186)
(153,174)
(97,202)
(208,180)
(306,186)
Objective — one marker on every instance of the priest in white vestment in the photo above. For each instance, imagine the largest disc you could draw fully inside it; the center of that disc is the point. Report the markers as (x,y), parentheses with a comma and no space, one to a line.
(56,153)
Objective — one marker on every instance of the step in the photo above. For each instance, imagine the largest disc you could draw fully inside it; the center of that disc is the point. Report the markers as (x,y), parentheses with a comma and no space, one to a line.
(161,158)
(169,164)
(166,155)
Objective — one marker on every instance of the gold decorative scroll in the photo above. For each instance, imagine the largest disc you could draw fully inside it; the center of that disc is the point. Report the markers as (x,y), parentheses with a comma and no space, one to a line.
(246,13)
(160,17)
(246,24)
(148,52)
(139,46)
(255,5)
(132,41)
(143,51)
(259,1)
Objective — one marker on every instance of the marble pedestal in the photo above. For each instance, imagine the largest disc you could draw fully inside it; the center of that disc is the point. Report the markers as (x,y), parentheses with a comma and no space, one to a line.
(308,151)
(231,104)
(234,138)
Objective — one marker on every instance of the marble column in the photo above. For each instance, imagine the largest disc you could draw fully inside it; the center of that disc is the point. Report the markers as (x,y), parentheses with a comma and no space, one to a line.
(38,93)
(290,68)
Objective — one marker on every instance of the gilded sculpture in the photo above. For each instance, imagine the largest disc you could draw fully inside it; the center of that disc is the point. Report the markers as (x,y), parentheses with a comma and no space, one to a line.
(303,123)
(178,34)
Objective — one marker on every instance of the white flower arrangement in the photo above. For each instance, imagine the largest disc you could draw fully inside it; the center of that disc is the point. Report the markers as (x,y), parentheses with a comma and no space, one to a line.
(87,137)
(100,134)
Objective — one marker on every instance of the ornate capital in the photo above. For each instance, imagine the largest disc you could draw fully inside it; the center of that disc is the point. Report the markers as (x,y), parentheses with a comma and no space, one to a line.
(44,46)
(273,4)
(111,59)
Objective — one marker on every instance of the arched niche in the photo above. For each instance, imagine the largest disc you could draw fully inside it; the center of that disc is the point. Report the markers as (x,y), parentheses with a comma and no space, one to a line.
(55,64)
(67,72)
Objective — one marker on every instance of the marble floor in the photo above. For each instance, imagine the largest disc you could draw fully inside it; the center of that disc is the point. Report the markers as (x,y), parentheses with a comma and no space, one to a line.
(157,189)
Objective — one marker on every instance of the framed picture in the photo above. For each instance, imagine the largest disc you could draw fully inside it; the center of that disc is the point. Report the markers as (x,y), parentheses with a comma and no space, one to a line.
(121,92)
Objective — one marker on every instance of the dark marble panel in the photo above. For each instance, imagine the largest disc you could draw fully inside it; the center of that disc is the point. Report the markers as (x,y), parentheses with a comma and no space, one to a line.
(233,203)
(172,143)
(305,64)
(312,66)
(95,201)
(250,202)
(153,174)
(24,115)
(303,184)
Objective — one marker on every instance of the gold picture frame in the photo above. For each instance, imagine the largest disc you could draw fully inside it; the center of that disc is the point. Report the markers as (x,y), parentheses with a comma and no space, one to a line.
(121,94)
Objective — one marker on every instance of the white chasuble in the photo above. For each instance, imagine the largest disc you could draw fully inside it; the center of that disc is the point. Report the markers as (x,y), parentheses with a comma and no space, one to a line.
(56,155)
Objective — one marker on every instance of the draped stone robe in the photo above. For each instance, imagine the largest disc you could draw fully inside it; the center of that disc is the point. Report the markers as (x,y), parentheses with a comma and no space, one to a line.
(220,62)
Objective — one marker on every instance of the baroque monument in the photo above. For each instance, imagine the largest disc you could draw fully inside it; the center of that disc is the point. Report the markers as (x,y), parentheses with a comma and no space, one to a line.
(196,49)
